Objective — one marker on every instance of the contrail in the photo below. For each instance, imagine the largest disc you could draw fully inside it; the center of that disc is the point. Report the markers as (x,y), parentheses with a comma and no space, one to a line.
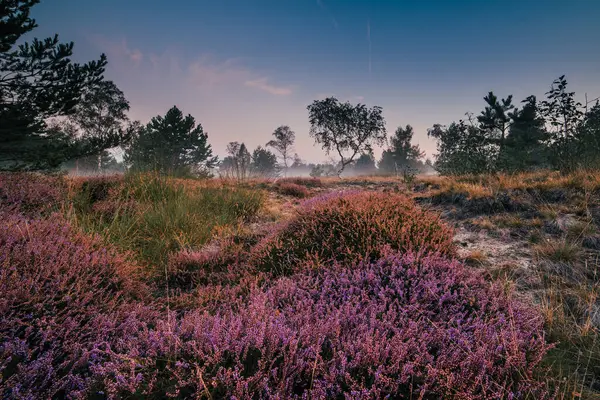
(369,39)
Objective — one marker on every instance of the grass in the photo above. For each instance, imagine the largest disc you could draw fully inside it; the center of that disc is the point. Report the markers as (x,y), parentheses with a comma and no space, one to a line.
(153,217)
(569,307)
(558,251)
(476,258)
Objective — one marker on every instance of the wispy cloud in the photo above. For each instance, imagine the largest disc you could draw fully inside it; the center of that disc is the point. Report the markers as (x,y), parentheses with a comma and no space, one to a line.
(323,7)
(203,71)
(263,84)
(118,49)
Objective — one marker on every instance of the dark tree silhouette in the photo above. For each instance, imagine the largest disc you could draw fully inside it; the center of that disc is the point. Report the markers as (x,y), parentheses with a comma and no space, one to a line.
(495,119)
(401,153)
(283,144)
(39,81)
(171,144)
(365,164)
(264,163)
(346,129)
(238,162)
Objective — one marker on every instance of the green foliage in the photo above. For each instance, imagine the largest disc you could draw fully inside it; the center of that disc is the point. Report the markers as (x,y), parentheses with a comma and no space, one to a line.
(282,144)
(39,81)
(462,149)
(171,144)
(264,163)
(349,130)
(495,119)
(365,164)
(402,153)
(524,148)
(154,217)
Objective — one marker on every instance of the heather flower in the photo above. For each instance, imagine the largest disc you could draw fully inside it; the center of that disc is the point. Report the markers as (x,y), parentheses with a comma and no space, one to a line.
(348,227)
(31,193)
(406,325)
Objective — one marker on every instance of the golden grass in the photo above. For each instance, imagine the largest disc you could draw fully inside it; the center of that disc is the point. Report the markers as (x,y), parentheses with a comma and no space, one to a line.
(477,186)
(476,258)
(558,251)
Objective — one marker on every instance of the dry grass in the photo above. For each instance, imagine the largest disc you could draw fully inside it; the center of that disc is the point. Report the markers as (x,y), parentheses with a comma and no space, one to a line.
(477,186)
(558,251)
(580,229)
(476,258)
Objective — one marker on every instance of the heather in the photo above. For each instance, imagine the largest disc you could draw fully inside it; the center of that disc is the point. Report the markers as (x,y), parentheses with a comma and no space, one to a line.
(31,193)
(351,226)
(58,286)
(403,326)
(356,295)
(292,189)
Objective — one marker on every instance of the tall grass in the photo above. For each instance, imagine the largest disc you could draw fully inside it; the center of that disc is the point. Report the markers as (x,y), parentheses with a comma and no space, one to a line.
(153,217)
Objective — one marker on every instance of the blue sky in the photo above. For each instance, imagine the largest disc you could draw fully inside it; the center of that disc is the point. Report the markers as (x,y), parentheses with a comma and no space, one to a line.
(244,67)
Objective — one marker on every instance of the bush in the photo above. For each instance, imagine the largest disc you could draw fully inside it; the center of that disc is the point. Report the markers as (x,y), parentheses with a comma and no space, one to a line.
(292,189)
(401,327)
(308,182)
(31,193)
(349,227)
(58,287)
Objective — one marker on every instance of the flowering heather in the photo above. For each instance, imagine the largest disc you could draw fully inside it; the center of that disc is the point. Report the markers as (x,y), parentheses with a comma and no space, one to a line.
(349,227)
(292,189)
(31,193)
(57,285)
(403,327)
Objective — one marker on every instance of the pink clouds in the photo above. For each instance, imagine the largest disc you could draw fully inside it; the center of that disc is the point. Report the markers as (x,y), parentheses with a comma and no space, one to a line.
(118,49)
(262,84)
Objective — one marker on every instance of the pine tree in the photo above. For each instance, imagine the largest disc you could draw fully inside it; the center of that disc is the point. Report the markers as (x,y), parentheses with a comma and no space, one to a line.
(39,81)
(525,147)
(264,163)
(171,144)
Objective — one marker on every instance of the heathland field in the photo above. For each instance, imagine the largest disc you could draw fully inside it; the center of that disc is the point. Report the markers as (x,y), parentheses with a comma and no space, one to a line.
(142,286)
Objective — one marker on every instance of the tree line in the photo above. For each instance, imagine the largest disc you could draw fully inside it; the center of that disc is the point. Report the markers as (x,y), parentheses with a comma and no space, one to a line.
(57,113)
(555,133)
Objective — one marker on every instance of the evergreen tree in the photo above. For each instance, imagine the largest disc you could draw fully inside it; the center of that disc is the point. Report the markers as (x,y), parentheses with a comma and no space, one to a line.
(264,163)
(588,139)
(495,119)
(365,164)
(39,81)
(171,144)
(525,147)
(238,162)
(401,153)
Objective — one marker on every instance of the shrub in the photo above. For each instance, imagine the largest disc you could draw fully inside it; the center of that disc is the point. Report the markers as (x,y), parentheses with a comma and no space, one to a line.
(31,193)
(308,182)
(401,327)
(348,227)
(292,189)
(58,286)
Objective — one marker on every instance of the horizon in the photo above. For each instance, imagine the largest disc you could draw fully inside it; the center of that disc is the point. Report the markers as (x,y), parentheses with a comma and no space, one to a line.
(241,70)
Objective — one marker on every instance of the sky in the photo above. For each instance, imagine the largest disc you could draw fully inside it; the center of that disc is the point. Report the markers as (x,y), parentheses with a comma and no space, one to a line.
(244,67)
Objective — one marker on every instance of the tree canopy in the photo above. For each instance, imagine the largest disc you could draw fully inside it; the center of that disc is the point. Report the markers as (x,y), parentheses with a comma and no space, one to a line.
(346,129)
(283,144)
(172,143)
(39,81)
